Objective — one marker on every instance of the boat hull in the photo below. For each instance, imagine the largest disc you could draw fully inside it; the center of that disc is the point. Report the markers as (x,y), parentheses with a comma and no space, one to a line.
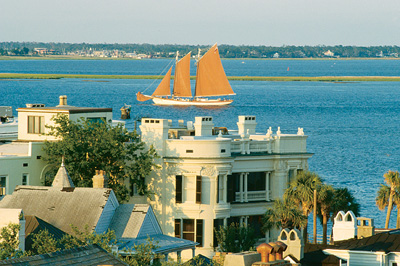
(188,102)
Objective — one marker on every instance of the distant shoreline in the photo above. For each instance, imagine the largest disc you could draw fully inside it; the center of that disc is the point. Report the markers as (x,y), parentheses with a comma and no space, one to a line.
(71,57)
(5,76)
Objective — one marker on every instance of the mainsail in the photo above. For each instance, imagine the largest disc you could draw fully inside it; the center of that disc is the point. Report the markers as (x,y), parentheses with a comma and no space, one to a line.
(211,79)
(182,78)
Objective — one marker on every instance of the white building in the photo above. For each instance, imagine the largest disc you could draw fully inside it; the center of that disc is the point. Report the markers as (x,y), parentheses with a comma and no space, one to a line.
(210,176)
(21,161)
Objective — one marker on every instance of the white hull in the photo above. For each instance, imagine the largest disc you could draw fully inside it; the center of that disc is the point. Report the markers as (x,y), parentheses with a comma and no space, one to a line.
(187,102)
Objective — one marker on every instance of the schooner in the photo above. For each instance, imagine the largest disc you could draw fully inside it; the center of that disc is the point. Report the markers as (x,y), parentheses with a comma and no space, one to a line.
(211,80)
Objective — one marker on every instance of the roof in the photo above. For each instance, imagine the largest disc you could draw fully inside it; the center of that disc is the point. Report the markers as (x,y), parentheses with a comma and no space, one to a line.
(86,255)
(62,178)
(134,220)
(163,242)
(199,260)
(33,225)
(66,108)
(61,207)
(313,255)
(385,242)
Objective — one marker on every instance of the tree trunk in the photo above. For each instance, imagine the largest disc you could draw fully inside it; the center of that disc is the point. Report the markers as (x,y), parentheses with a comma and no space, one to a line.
(324,228)
(398,218)
(389,210)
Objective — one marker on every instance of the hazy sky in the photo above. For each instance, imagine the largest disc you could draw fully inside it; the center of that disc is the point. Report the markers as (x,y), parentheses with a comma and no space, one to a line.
(248,22)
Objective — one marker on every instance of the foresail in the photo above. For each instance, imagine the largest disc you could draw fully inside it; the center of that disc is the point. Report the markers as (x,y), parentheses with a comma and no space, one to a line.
(182,77)
(211,79)
(141,98)
(164,89)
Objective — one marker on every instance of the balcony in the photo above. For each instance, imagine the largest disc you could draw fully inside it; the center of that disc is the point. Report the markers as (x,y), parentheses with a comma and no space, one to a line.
(252,196)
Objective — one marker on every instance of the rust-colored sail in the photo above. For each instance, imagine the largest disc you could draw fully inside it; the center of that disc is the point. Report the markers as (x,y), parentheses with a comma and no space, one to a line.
(164,89)
(141,98)
(211,79)
(182,77)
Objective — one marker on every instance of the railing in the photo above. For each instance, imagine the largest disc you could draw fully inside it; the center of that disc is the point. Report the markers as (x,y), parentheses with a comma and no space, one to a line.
(246,146)
(252,196)
(319,239)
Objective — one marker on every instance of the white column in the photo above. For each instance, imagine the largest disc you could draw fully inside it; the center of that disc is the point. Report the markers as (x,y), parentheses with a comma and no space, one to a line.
(245,187)
(267,186)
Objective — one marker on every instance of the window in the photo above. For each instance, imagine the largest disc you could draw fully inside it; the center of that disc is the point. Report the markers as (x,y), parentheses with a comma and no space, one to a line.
(178,189)
(189,229)
(36,124)
(24,179)
(256,181)
(198,189)
(189,151)
(3,185)
(291,175)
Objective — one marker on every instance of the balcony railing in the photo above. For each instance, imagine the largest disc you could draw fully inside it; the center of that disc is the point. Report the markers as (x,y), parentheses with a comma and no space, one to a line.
(252,196)
(246,146)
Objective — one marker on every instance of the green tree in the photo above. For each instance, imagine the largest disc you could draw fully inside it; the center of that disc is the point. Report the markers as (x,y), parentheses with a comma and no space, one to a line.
(235,238)
(44,242)
(387,193)
(301,192)
(9,242)
(88,146)
(284,214)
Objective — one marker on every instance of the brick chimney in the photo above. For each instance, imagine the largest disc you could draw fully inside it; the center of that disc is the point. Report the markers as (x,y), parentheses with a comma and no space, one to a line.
(100,179)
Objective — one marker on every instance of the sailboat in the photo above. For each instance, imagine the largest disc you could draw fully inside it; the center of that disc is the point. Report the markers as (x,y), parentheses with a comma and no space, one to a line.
(211,80)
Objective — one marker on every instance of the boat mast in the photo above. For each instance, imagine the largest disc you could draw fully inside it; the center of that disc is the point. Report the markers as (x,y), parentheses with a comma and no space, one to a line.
(197,67)
(176,62)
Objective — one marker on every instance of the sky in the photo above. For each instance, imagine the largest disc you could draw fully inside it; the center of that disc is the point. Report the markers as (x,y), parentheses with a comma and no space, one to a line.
(204,22)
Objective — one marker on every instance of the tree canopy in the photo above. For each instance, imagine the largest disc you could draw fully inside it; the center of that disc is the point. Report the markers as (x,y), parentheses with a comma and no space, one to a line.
(89,146)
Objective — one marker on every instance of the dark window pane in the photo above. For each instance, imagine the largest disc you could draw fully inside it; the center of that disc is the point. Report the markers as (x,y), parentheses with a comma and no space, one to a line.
(199,232)
(198,189)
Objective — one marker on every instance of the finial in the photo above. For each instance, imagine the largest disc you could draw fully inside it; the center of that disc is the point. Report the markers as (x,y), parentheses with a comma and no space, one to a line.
(300,131)
(279,131)
(220,134)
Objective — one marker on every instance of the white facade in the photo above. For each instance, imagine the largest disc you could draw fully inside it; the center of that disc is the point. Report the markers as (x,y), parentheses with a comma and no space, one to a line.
(21,161)
(211,176)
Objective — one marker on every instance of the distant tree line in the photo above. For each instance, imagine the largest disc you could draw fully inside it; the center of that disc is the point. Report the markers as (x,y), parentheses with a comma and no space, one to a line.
(226,51)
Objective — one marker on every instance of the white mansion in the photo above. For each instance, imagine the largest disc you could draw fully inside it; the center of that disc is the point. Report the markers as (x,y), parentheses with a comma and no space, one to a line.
(211,176)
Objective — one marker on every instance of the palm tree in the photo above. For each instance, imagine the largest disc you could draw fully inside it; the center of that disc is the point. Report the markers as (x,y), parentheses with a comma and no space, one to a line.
(284,214)
(326,194)
(382,201)
(301,191)
(387,192)
(344,201)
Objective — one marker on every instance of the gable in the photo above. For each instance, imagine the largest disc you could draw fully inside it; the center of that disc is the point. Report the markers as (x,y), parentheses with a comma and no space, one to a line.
(150,225)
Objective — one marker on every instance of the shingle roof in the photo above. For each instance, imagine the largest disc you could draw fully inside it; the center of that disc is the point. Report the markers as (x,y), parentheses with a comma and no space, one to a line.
(87,255)
(61,208)
(386,242)
(314,256)
(163,242)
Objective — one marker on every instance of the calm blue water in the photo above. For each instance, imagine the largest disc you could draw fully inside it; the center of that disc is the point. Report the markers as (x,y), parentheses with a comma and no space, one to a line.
(232,67)
(353,128)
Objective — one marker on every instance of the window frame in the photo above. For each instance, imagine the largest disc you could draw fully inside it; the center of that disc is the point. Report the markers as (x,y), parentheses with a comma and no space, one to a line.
(36,124)
(198,188)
